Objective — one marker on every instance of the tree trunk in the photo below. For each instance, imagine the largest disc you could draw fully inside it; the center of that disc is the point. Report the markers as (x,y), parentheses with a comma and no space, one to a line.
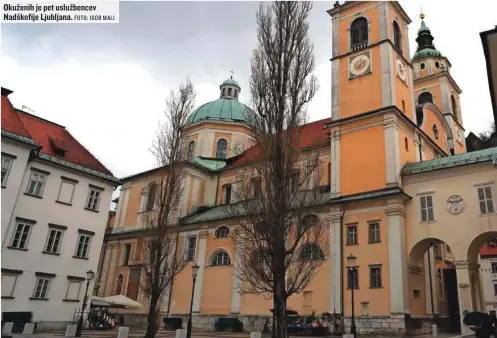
(280,308)
(152,317)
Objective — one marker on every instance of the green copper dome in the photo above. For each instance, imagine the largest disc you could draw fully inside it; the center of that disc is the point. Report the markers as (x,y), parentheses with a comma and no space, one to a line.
(426,48)
(220,110)
(231,82)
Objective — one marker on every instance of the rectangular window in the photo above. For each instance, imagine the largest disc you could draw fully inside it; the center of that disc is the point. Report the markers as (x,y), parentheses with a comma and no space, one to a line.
(485,199)
(426,208)
(83,246)
(437,251)
(41,288)
(353,279)
(352,234)
(36,184)
(495,289)
(66,191)
(93,200)
(295,181)
(374,232)
(227,194)
(127,252)
(21,236)
(73,290)
(53,241)
(494,267)
(375,276)
(6,166)
(8,284)
(191,243)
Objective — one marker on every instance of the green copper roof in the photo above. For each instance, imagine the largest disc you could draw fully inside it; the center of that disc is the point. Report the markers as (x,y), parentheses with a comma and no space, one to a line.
(231,82)
(426,48)
(478,156)
(220,110)
(211,164)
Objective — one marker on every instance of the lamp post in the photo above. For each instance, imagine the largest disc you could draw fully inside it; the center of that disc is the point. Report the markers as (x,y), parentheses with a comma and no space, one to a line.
(351,259)
(89,276)
(195,269)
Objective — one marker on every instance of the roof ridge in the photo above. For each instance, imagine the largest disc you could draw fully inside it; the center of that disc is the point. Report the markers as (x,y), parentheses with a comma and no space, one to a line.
(39,118)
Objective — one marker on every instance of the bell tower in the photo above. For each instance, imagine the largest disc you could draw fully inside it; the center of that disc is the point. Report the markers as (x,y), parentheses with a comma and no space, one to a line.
(370,61)
(433,83)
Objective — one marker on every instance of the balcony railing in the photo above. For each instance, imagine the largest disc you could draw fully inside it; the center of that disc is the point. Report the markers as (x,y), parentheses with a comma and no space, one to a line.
(358,46)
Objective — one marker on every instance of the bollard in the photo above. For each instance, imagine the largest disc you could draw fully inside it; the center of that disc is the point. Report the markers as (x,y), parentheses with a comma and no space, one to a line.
(71,330)
(181,333)
(255,335)
(29,328)
(123,332)
(7,328)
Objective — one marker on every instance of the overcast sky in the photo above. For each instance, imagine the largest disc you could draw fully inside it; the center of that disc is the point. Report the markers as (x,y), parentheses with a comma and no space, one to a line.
(107,82)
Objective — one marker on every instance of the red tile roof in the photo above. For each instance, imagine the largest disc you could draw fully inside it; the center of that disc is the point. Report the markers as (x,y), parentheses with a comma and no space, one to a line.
(311,134)
(488,250)
(49,135)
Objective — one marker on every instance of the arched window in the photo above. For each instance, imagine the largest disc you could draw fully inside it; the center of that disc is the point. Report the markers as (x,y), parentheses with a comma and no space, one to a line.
(222,232)
(222,147)
(406,143)
(308,221)
(152,191)
(437,64)
(191,149)
(425,97)
(359,33)
(236,93)
(454,107)
(397,36)
(119,284)
(220,258)
(227,193)
(310,252)
(223,92)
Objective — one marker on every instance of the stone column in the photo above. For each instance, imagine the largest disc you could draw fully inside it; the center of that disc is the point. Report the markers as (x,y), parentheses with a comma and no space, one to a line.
(335,164)
(464,292)
(335,262)
(202,236)
(397,257)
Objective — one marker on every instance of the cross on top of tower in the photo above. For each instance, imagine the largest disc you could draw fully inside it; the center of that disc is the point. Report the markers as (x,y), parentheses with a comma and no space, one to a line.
(232,71)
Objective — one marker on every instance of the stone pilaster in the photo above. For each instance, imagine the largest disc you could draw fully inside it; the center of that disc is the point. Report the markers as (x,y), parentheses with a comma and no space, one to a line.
(336,262)
(202,243)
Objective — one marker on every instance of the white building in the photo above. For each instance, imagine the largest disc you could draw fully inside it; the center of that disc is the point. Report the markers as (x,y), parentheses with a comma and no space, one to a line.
(488,269)
(55,206)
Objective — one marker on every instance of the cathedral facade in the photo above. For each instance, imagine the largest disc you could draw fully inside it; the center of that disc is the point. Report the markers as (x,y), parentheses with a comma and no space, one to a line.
(400,192)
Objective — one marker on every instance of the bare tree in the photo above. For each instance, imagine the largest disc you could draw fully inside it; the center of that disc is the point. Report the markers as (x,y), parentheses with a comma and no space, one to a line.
(277,249)
(485,135)
(161,259)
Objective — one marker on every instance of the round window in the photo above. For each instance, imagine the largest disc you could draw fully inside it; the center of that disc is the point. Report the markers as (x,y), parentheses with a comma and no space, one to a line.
(437,64)
(422,66)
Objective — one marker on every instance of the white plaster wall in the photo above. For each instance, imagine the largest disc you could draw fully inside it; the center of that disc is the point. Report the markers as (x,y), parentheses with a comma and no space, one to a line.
(11,190)
(45,210)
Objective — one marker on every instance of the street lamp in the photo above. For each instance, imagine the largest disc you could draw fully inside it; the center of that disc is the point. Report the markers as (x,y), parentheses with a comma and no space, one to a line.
(89,276)
(351,259)
(195,269)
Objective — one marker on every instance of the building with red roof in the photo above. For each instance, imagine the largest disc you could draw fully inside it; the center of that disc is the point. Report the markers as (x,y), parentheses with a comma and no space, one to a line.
(55,207)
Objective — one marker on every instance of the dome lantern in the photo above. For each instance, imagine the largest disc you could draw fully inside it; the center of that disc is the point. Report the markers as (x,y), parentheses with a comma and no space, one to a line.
(230,88)
(425,42)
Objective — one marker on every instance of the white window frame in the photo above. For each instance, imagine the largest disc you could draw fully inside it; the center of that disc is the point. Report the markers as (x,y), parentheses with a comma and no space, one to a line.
(24,224)
(69,281)
(99,198)
(424,208)
(377,231)
(379,275)
(80,236)
(42,279)
(187,248)
(9,160)
(66,181)
(356,239)
(50,229)
(10,274)
(42,182)
(487,200)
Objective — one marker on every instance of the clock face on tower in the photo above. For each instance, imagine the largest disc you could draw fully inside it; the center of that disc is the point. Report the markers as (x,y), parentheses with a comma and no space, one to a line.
(401,70)
(360,65)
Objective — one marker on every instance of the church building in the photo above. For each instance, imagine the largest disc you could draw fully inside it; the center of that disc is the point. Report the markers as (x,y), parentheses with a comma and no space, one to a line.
(399,192)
